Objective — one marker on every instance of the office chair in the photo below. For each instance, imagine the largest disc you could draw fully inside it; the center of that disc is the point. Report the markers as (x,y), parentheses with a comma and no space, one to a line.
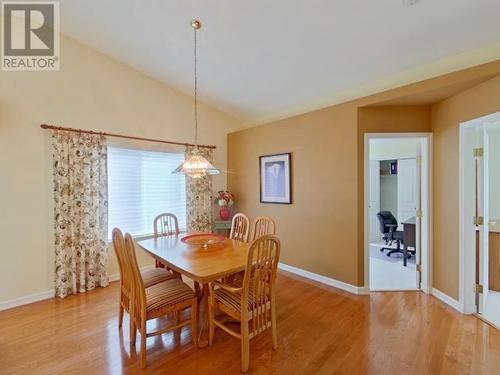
(388,228)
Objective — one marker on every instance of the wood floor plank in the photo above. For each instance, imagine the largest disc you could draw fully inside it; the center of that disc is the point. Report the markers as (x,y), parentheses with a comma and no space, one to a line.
(321,330)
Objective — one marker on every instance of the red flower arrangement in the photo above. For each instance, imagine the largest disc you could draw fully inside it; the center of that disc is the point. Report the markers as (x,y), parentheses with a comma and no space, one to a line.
(224,198)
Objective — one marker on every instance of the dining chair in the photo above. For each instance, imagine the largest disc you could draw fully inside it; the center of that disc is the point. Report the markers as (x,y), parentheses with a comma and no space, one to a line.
(167,297)
(150,277)
(240,227)
(253,303)
(165,224)
(263,225)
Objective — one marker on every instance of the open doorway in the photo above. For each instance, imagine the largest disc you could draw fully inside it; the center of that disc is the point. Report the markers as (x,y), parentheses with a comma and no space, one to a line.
(397,211)
(480,217)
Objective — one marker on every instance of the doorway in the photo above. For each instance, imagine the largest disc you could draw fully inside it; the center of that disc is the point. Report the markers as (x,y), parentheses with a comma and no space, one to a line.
(480,217)
(397,211)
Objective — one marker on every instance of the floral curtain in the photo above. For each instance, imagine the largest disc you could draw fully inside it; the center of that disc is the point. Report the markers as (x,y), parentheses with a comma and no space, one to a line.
(80,212)
(199,196)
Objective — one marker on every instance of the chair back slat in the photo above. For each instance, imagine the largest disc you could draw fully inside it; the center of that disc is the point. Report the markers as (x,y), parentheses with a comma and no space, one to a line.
(240,227)
(258,283)
(138,290)
(165,224)
(263,225)
(121,256)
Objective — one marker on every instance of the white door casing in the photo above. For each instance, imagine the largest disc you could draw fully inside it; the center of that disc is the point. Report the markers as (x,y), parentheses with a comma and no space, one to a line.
(425,140)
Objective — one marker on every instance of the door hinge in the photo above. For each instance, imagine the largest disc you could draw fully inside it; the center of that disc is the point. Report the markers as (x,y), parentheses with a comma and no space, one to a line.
(478,221)
(478,152)
(419,268)
(478,288)
(419,159)
(418,213)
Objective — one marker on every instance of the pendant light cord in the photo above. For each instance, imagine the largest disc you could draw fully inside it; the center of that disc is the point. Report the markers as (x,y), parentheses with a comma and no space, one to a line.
(195,91)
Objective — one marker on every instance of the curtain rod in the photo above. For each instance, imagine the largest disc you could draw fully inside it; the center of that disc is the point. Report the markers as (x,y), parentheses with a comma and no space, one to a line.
(53,127)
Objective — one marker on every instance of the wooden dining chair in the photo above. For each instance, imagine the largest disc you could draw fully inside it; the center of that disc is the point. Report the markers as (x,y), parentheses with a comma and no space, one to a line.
(240,227)
(168,297)
(263,225)
(165,224)
(150,277)
(253,303)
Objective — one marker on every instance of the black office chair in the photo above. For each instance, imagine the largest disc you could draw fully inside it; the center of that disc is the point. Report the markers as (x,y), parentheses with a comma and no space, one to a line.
(388,228)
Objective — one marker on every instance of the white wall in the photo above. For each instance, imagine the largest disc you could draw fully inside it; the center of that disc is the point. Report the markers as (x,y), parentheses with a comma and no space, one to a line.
(389,194)
(393,148)
(91,91)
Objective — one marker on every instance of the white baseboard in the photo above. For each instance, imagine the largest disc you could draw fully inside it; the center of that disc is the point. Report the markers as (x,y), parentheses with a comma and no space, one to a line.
(324,280)
(448,300)
(26,300)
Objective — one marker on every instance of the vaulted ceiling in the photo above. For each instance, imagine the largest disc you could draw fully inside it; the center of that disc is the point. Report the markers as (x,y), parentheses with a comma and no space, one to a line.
(261,58)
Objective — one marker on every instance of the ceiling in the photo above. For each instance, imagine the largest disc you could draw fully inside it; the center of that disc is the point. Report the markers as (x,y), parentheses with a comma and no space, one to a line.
(260,58)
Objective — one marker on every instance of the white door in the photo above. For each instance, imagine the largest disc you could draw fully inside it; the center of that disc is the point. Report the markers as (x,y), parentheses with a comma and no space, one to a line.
(374,200)
(418,209)
(407,189)
(482,211)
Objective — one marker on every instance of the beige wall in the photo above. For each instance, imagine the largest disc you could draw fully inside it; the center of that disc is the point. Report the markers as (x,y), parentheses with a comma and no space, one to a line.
(446,117)
(93,92)
(322,231)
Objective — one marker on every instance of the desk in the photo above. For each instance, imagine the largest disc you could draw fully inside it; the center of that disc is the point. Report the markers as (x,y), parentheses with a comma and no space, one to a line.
(409,237)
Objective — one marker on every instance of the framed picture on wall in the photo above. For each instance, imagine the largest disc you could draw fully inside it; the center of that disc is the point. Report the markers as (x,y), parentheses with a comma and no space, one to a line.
(276,178)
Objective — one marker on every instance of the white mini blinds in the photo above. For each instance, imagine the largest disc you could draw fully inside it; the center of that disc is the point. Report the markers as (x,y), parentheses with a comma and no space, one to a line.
(140,186)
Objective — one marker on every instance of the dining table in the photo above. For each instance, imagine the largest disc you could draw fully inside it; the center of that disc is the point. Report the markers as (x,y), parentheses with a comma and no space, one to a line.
(200,262)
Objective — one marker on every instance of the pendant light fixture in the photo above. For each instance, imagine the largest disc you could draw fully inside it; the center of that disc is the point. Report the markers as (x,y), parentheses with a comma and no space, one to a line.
(196,165)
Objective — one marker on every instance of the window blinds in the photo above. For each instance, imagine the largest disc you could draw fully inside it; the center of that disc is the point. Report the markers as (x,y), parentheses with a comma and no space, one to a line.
(140,186)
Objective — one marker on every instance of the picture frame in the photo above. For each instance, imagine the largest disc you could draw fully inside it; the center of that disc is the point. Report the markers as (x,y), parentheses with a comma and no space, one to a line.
(276,178)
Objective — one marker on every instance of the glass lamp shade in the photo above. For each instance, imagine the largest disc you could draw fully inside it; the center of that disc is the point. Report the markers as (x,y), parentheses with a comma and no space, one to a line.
(196,166)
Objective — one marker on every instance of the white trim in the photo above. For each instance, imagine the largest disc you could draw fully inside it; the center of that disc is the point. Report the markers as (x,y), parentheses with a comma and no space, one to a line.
(9,304)
(36,297)
(323,279)
(426,282)
(452,302)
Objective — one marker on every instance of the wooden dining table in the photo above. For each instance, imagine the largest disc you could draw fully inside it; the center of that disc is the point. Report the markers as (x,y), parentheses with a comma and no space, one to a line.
(202,265)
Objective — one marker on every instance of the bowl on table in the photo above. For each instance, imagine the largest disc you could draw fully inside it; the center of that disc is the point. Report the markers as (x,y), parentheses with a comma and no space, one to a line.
(203,240)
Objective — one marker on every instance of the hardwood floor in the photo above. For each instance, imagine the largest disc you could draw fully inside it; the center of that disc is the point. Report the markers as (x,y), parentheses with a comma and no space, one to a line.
(321,330)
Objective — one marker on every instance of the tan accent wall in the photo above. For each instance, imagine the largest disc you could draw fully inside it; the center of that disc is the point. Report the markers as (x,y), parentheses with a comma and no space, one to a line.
(322,231)
(446,117)
(318,231)
(91,91)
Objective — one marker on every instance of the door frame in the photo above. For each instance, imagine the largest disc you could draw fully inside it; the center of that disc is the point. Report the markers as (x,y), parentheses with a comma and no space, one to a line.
(467,259)
(426,178)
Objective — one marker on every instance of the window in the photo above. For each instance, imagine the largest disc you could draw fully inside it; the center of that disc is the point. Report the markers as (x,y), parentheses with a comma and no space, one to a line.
(140,186)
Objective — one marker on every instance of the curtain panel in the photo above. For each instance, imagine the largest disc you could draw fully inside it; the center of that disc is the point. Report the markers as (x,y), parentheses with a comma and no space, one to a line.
(80,212)
(199,197)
